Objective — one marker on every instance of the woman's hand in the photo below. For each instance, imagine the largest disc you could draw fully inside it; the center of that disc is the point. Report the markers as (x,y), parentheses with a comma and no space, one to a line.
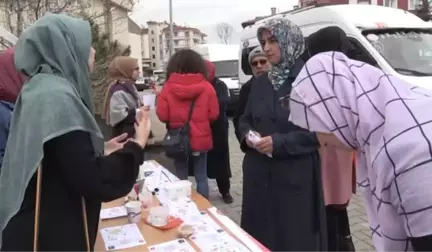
(249,142)
(142,127)
(115,144)
(265,145)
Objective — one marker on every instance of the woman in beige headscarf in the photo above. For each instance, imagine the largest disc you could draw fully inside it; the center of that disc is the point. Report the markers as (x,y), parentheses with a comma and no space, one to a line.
(122,99)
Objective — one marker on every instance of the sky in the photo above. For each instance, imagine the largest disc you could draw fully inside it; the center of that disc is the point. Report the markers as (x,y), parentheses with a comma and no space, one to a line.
(206,14)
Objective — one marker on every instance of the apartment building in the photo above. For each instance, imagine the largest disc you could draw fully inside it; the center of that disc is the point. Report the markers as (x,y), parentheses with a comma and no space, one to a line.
(184,37)
(155,43)
(110,15)
(152,41)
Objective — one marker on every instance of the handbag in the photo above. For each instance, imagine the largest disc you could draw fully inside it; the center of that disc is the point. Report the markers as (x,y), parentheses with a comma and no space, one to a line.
(176,141)
(37,213)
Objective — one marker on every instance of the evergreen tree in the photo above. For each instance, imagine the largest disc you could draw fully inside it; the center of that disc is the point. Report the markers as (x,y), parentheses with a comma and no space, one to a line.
(105,53)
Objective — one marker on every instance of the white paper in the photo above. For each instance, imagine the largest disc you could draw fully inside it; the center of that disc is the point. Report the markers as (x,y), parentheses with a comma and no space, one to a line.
(202,224)
(121,237)
(183,208)
(113,212)
(220,242)
(235,229)
(149,100)
(180,245)
(254,139)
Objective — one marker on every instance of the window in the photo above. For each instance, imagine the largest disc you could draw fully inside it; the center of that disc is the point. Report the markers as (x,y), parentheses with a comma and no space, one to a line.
(361,54)
(407,51)
(390,3)
(154,56)
(414,4)
(175,34)
(364,2)
(226,68)
(154,64)
(152,40)
(246,68)
(152,32)
(153,48)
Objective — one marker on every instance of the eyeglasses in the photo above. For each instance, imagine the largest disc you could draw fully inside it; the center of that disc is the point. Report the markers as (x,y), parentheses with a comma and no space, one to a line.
(261,62)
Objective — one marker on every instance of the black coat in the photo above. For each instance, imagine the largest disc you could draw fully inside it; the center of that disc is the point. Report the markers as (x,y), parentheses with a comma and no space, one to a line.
(218,158)
(243,98)
(283,204)
(70,171)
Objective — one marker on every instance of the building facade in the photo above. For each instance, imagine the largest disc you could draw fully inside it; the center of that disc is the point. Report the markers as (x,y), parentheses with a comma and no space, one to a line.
(184,37)
(155,43)
(401,4)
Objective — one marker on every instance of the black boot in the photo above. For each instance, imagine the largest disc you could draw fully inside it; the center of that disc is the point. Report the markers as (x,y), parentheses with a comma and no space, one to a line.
(345,244)
(227,198)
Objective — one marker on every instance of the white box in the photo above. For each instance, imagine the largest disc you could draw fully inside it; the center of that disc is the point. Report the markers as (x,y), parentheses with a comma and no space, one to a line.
(178,189)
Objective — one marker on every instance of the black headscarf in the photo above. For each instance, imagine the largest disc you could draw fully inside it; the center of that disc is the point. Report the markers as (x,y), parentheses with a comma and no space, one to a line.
(331,38)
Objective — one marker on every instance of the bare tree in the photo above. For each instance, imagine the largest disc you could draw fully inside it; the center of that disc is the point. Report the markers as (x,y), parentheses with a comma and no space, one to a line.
(224,32)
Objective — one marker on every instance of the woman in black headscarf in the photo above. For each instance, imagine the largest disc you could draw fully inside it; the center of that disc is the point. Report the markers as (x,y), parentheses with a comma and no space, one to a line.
(336,195)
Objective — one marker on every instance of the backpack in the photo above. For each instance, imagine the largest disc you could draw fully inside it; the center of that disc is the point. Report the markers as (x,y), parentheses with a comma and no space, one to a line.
(176,141)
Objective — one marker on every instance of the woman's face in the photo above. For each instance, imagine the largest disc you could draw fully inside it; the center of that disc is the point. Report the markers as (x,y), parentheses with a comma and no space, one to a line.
(135,74)
(327,139)
(271,47)
(91,60)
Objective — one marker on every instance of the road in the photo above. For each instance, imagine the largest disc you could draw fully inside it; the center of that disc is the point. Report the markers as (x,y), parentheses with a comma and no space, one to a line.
(358,219)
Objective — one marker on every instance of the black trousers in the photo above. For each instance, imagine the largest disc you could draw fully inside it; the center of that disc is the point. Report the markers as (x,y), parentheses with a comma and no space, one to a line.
(224,185)
(337,226)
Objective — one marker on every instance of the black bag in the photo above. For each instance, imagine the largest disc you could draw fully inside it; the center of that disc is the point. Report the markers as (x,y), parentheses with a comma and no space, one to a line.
(176,141)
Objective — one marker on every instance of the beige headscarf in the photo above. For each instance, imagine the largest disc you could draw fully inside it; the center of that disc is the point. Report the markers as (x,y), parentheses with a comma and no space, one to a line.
(120,69)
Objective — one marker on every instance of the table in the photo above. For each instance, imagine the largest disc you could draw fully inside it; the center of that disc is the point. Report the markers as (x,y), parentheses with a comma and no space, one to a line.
(155,236)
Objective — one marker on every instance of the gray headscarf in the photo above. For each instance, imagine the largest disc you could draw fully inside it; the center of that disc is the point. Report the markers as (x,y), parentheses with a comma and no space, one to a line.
(57,99)
(291,44)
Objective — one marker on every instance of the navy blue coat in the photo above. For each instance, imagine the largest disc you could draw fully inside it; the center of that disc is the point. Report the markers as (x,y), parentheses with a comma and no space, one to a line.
(283,204)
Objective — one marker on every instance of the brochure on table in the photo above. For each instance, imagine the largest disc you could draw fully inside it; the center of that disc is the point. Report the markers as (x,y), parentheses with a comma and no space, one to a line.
(208,235)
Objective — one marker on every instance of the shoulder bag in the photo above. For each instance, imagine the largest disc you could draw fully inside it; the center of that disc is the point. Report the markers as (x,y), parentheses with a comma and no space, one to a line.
(176,141)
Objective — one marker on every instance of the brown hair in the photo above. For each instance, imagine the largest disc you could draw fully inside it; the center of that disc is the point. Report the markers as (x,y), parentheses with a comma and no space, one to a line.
(186,61)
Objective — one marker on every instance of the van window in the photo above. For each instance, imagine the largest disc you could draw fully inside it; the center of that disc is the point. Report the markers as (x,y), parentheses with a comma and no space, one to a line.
(226,68)
(246,68)
(408,52)
(361,54)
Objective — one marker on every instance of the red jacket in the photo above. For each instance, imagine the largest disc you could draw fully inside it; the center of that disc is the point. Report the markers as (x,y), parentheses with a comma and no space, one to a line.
(173,104)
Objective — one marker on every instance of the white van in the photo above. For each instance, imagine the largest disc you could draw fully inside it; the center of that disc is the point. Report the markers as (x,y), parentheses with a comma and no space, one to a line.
(392,39)
(226,60)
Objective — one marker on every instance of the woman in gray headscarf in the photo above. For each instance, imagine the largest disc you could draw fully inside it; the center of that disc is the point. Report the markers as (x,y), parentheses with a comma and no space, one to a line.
(283,204)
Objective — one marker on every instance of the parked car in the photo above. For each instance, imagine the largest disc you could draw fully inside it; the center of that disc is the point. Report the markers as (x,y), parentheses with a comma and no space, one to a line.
(142,84)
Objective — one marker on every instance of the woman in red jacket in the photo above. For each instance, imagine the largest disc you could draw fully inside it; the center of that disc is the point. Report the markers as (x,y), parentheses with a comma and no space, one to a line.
(186,82)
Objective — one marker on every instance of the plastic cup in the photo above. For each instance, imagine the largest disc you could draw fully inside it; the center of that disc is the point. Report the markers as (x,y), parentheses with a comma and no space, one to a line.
(158,216)
(133,209)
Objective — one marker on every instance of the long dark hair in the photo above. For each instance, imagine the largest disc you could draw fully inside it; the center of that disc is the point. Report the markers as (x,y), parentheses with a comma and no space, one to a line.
(186,61)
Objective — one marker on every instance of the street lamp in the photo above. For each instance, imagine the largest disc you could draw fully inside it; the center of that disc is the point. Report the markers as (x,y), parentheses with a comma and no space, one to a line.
(171,39)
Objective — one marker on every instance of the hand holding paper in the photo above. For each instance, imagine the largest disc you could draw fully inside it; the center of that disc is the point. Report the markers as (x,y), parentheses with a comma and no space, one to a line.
(149,100)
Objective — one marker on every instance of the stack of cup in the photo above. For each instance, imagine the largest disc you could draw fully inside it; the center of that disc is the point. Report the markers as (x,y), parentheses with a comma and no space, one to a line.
(133,209)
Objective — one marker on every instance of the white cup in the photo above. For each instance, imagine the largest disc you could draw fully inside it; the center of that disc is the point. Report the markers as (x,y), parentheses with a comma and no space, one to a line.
(133,209)
(158,216)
